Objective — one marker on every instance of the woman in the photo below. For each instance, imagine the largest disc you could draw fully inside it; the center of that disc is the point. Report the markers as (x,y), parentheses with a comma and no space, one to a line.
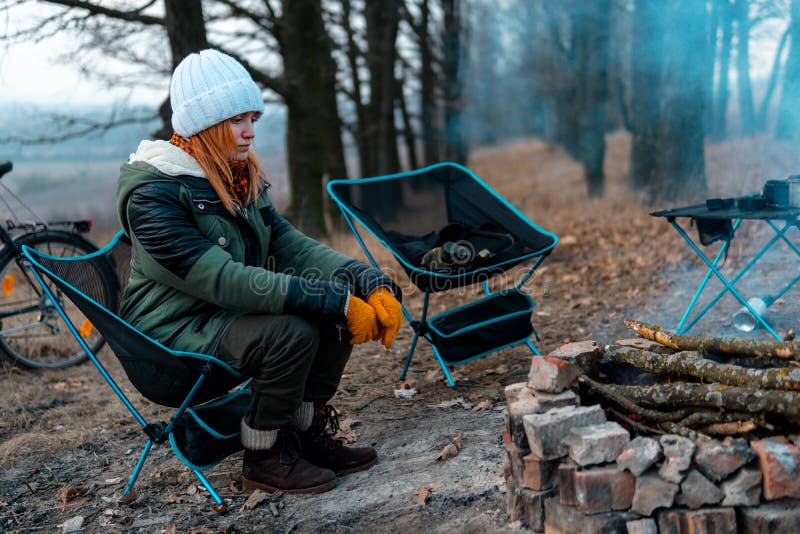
(217,270)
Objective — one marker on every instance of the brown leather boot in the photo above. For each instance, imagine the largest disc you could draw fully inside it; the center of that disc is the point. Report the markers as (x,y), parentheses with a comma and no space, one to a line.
(321,448)
(281,468)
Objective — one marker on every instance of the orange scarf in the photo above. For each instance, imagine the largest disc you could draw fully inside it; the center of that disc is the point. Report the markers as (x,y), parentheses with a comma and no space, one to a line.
(239,187)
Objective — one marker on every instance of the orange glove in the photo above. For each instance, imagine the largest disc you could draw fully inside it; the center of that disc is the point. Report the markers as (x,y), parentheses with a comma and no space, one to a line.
(389,313)
(361,321)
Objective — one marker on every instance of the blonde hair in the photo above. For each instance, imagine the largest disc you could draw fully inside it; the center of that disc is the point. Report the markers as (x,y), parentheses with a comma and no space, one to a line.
(213,148)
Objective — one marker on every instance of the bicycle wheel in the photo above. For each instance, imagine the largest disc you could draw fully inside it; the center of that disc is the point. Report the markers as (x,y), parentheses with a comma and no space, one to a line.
(32,333)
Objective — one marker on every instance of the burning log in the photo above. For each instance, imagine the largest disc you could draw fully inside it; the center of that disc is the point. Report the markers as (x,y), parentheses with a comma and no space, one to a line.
(738,399)
(693,364)
(785,350)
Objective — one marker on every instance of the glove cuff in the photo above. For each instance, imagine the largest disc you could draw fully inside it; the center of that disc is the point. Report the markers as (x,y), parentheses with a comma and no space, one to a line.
(363,279)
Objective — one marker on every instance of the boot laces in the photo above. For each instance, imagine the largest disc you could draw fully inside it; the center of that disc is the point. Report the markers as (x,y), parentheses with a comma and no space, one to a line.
(326,422)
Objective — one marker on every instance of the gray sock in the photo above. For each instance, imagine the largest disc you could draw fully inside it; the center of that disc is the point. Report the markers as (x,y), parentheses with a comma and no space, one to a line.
(303,416)
(257,440)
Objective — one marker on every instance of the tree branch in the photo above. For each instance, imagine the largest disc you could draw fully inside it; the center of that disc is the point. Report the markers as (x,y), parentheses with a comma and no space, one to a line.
(95,9)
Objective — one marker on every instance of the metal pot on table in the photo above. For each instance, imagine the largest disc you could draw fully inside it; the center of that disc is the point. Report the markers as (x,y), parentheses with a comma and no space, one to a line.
(782,193)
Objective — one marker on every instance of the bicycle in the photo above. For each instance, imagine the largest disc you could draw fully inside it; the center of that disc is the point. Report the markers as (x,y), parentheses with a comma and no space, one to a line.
(32,334)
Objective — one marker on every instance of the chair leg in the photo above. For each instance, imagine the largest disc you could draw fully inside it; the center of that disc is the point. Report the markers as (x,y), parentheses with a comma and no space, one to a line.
(138,468)
(208,486)
(533,348)
(408,357)
(444,367)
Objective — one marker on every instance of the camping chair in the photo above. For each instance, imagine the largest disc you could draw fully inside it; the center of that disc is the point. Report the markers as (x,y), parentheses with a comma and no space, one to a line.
(449,229)
(204,428)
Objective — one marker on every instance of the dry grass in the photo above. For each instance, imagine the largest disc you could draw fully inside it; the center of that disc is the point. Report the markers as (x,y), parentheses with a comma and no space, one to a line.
(23,445)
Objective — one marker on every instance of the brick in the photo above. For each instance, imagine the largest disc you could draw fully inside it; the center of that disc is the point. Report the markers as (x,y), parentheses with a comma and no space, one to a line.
(552,375)
(717,460)
(642,526)
(704,521)
(743,489)
(546,432)
(560,519)
(596,444)
(603,489)
(697,490)
(514,455)
(776,517)
(514,505)
(566,483)
(678,453)
(582,354)
(639,455)
(533,507)
(539,474)
(652,492)
(780,466)
(524,401)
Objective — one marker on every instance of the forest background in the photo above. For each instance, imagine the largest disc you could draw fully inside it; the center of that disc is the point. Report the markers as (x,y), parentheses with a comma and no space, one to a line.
(370,87)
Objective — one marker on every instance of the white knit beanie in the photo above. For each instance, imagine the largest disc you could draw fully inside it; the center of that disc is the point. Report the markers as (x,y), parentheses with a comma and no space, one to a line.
(208,88)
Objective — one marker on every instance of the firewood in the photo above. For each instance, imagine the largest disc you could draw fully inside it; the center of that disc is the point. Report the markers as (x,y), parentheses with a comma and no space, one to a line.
(689,363)
(729,429)
(621,400)
(681,394)
(671,427)
(759,348)
(708,417)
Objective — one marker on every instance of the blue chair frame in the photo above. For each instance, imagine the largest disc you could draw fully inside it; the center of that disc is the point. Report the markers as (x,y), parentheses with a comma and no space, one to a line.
(157,432)
(424,327)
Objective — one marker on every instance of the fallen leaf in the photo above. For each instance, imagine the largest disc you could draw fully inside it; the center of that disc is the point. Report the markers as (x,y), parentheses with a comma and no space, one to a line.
(405,393)
(451,450)
(170,529)
(129,497)
(255,498)
(421,496)
(450,403)
(473,397)
(66,493)
(172,498)
(483,405)
(346,432)
(433,375)
(72,503)
(73,524)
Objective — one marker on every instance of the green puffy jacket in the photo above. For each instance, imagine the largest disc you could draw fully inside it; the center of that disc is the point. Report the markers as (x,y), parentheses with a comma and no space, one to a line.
(195,267)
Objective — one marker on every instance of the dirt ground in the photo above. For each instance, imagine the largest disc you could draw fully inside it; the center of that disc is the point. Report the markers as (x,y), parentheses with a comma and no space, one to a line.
(65,429)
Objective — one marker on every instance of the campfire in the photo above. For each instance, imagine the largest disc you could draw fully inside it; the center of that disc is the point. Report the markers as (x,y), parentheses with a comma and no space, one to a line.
(661,433)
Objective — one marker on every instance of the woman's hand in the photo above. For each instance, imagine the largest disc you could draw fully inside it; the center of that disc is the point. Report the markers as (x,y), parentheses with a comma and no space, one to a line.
(389,313)
(362,323)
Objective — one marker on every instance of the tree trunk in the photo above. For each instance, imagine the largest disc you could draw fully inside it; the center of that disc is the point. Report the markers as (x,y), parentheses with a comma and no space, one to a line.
(681,130)
(763,110)
(353,53)
(788,126)
(720,121)
(186,32)
(408,129)
(383,18)
(646,66)
(455,147)
(305,59)
(747,113)
(591,30)
(430,130)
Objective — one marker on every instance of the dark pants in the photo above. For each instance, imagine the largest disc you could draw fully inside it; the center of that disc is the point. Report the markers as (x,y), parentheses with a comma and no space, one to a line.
(290,358)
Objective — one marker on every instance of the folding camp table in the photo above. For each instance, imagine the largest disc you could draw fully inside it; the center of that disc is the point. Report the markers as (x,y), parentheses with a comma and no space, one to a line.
(721,224)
